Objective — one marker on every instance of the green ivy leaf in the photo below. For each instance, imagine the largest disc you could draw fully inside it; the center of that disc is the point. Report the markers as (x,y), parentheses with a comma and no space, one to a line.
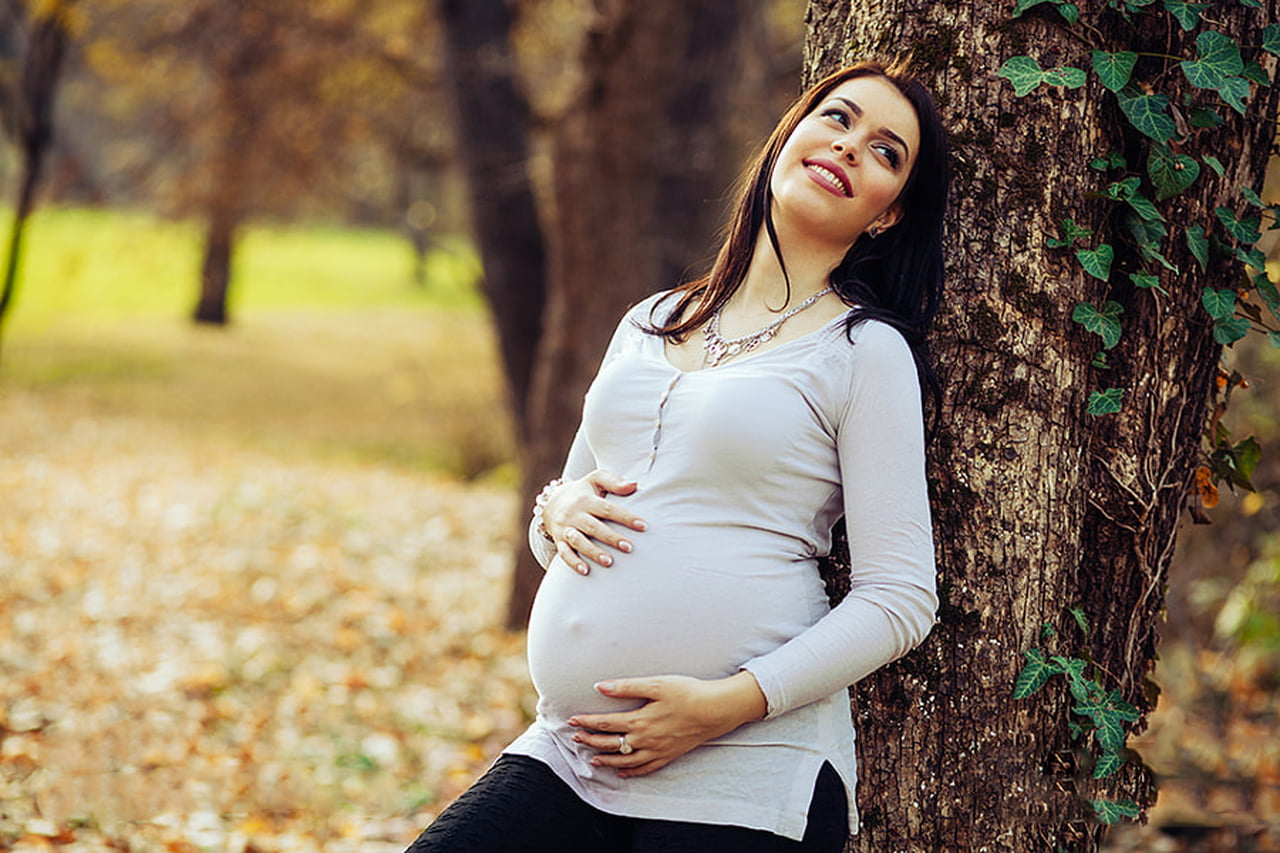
(1099,360)
(1252,256)
(1235,91)
(1023,72)
(1097,262)
(1170,172)
(1104,323)
(1111,160)
(1024,5)
(1034,675)
(1271,38)
(1147,234)
(1248,454)
(1146,281)
(1220,304)
(1104,402)
(1144,207)
(1217,58)
(1187,14)
(1215,164)
(1122,190)
(1252,197)
(1108,763)
(1111,811)
(1082,621)
(1205,117)
(1114,69)
(1244,230)
(1147,114)
(1254,73)
(1270,295)
(1252,4)
(1071,78)
(1227,332)
(1070,233)
(1198,243)
(1070,12)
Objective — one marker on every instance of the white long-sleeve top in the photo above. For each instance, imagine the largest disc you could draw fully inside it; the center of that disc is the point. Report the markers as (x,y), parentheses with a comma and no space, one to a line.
(742,469)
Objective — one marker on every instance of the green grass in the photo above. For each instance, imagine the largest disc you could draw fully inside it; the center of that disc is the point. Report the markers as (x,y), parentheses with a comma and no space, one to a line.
(333,348)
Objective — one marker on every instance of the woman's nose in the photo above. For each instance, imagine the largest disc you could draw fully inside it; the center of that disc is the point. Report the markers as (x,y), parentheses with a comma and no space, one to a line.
(843,148)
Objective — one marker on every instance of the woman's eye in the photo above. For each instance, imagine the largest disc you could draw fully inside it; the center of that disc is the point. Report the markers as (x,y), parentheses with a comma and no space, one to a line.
(838,115)
(891,154)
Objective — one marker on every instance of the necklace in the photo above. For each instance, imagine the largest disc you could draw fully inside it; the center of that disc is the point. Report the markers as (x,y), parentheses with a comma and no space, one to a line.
(719,348)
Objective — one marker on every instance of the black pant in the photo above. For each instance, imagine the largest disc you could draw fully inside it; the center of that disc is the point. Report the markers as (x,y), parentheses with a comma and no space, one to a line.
(520,806)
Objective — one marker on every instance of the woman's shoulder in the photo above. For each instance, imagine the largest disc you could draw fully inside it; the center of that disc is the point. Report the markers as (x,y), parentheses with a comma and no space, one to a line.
(644,311)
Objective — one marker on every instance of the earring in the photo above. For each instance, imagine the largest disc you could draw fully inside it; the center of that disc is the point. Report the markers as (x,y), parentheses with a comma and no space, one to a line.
(874,231)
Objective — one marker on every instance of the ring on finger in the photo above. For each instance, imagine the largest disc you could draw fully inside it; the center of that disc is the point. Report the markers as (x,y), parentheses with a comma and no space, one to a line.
(624,748)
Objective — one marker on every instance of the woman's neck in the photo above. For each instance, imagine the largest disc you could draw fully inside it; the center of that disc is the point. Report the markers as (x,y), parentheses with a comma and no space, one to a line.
(808,270)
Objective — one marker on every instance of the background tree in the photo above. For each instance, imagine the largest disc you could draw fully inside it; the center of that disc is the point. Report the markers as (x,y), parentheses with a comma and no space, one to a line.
(27,91)
(1048,519)
(641,150)
(281,109)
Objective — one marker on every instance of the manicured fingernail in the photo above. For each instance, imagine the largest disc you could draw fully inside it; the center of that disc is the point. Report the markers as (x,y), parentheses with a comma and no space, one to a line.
(595,762)
(606,560)
(577,738)
(640,525)
(605,686)
(573,721)
(624,546)
(583,569)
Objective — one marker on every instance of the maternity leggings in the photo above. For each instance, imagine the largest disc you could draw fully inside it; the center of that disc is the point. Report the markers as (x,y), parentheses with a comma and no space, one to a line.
(520,806)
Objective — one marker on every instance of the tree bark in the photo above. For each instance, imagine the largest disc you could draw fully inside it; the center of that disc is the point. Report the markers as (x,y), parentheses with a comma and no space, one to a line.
(1038,507)
(642,159)
(492,120)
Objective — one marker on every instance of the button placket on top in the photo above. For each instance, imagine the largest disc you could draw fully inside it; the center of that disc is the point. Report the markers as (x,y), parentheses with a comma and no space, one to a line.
(657,421)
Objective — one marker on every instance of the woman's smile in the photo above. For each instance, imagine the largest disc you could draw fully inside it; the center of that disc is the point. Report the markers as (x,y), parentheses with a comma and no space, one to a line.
(829,176)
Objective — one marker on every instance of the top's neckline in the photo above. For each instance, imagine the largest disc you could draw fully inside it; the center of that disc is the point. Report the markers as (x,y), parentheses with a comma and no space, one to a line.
(751,356)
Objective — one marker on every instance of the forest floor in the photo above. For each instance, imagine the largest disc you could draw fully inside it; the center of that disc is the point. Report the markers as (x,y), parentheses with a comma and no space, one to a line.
(205,646)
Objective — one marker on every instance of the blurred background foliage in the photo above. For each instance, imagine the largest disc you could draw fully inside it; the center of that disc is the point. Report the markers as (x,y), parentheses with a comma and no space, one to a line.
(311,143)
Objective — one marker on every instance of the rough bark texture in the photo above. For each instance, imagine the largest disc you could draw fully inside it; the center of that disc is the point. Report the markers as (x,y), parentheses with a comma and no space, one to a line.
(492,118)
(1037,506)
(642,159)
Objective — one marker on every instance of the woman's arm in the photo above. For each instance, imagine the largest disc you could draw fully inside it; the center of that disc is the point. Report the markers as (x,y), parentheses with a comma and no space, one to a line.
(892,600)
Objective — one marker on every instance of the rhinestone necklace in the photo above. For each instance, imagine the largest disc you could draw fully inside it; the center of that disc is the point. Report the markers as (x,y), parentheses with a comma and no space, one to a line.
(719,348)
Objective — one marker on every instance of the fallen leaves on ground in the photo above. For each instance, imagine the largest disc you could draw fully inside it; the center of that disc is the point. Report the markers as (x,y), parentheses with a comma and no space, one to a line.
(204,647)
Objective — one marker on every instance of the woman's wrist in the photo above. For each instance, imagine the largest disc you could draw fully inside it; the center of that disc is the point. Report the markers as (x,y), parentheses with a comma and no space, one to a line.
(745,698)
(540,504)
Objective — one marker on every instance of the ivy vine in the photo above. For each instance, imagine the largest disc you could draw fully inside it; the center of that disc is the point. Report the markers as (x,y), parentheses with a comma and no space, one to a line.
(1176,134)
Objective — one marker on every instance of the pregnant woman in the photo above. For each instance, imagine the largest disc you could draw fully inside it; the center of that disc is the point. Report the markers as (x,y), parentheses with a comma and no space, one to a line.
(691,675)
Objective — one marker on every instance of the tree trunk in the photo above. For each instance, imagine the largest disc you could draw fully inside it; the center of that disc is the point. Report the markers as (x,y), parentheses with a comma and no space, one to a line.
(41,67)
(642,159)
(215,269)
(492,121)
(1038,507)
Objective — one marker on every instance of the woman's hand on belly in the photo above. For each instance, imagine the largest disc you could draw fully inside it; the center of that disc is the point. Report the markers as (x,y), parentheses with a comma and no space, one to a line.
(679,714)
(575,516)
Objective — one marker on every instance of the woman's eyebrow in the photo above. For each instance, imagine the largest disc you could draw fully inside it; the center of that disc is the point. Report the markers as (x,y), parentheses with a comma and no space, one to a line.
(857,111)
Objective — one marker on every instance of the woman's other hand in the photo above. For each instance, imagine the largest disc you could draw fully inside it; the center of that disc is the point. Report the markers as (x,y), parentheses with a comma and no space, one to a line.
(575,516)
(680,713)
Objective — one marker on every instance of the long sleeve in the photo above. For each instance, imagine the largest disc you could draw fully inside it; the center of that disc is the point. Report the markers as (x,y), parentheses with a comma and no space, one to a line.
(580,460)
(892,600)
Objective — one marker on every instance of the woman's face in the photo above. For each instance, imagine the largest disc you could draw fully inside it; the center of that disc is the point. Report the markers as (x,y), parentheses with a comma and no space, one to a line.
(843,167)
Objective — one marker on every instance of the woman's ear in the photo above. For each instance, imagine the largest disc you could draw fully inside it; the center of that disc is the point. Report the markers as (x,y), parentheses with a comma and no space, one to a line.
(888,219)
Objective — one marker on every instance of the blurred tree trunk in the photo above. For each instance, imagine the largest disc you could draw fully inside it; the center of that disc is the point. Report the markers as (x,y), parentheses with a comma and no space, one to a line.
(492,120)
(30,118)
(234,64)
(1038,507)
(643,159)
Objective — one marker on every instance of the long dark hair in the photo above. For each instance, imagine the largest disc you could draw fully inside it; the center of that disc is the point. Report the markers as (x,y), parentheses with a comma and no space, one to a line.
(895,277)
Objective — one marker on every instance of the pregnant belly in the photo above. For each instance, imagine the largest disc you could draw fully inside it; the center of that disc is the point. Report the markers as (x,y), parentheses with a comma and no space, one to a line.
(647,617)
